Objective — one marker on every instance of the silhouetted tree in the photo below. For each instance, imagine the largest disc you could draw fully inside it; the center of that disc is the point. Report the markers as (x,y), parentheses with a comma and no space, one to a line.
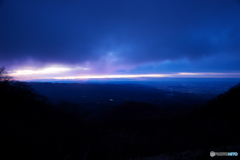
(3,75)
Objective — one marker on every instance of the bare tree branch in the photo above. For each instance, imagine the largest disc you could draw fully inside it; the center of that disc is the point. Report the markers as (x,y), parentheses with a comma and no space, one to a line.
(3,75)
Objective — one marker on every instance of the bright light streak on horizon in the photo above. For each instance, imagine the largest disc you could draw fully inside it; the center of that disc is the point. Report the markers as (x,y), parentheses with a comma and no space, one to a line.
(172,75)
(44,74)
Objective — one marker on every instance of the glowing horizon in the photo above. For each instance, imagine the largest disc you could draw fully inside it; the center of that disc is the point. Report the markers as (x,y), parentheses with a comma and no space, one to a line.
(81,73)
(122,76)
(170,75)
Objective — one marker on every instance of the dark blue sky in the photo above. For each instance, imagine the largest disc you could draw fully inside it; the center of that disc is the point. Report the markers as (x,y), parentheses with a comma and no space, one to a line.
(121,36)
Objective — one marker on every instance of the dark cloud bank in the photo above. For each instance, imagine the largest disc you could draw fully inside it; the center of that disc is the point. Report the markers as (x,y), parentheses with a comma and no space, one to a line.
(124,32)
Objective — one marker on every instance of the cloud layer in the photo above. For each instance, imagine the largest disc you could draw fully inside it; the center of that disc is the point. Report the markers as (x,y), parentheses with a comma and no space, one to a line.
(121,35)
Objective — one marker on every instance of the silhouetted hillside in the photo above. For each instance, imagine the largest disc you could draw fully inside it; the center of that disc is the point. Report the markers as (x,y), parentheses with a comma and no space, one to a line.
(226,105)
(217,120)
(19,95)
(32,128)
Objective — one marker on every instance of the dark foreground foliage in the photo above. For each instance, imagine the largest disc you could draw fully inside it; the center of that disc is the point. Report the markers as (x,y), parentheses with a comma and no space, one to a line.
(32,128)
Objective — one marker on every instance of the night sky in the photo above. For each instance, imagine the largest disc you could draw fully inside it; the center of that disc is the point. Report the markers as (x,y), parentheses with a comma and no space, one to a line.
(71,38)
